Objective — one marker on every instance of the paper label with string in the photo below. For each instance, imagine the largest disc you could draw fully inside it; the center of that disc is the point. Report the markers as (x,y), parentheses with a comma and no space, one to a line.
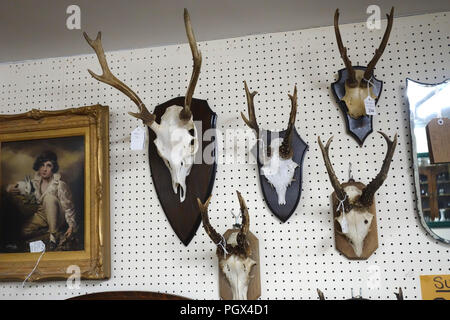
(137,139)
(344,223)
(369,103)
(37,246)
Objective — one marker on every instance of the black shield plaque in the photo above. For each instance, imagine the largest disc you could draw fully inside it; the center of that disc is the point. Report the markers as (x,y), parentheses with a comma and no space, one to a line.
(184,217)
(294,191)
(359,128)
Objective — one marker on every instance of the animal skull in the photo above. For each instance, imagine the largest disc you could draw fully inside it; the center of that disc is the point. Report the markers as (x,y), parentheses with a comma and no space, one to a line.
(358,85)
(277,164)
(233,252)
(354,97)
(176,146)
(237,270)
(176,136)
(356,223)
(355,219)
(278,171)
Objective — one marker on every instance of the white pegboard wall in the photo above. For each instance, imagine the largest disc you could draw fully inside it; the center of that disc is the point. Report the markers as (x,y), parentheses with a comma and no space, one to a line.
(298,256)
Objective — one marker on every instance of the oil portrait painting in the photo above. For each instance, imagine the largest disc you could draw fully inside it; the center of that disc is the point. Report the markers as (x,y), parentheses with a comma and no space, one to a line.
(42,194)
(54,194)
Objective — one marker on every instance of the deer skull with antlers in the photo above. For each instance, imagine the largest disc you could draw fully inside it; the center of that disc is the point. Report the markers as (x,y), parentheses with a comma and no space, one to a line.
(358,84)
(176,135)
(354,200)
(234,252)
(277,164)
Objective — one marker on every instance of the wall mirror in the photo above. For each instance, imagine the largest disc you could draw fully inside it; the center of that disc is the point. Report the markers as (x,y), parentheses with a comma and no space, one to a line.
(429,106)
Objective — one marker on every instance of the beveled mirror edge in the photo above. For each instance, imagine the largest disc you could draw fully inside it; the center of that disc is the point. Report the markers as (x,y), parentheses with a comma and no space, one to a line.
(415,162)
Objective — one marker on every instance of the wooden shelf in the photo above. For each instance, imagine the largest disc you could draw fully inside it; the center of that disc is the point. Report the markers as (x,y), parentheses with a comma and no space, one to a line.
(439,224)
(437,182)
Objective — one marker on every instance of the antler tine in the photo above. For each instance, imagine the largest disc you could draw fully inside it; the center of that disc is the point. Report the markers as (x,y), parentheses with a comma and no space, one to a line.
(186,114)
(378,52)
(369,191)
(108,78)
(399,295)
(351,81)
(245,226)
(215,237)
(321,295)
(241,238)
(286,151)
(340,193)
(251,121)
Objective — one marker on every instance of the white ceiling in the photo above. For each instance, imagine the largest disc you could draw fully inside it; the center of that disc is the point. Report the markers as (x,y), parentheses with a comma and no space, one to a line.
(37,29)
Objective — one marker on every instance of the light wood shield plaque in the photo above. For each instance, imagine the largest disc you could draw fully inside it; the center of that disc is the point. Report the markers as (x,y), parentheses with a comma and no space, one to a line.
(342,243)
(254,287)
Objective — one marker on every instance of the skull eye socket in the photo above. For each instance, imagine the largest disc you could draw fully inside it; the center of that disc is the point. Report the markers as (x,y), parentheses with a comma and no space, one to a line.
(192,133)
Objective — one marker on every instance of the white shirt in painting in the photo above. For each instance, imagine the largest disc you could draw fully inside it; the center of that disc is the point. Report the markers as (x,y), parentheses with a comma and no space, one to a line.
(60,190)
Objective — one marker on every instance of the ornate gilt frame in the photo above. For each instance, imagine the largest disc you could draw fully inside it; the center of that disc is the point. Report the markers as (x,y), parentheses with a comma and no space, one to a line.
(94,260)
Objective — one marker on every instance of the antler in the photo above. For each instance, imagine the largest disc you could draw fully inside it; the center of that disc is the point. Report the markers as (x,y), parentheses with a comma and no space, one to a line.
(399,295)
(286,151)
(378,52)
(242,236)
(212,233)
(321,295)
(108,78)
(340,193)
(251,122)
(369,191)
(186,114)
(351,80)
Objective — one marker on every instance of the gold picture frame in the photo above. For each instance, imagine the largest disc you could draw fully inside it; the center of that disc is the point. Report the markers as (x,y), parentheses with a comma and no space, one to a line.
(91,124)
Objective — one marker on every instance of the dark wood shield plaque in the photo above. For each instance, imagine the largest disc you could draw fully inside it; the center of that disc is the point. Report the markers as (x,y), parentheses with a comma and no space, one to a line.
(294,191)
(184,217)
(359,128)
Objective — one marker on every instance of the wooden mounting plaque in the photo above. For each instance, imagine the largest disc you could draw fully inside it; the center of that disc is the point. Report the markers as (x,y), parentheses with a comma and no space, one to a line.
(254,288)
(342,243)
(438,138)
(184,217)
(363,126)
(128,295)
(294,191)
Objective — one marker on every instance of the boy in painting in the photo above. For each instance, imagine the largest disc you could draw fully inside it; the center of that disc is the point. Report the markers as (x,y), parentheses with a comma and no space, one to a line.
(53,198)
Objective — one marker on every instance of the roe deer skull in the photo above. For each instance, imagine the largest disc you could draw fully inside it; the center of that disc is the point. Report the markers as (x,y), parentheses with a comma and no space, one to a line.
(233,252)
(357,85)
(355,219)
(277,164)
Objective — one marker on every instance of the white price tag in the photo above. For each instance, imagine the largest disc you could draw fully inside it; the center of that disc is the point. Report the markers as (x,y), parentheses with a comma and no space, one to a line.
(137,139)
(369,103)
(37,246)
(344,224)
